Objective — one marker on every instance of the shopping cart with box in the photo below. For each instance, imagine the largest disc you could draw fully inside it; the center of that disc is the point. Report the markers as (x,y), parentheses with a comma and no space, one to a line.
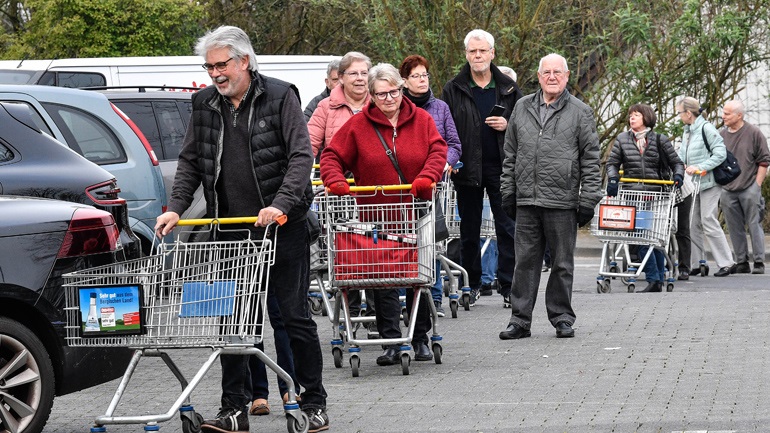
(183,295)
(642,213)
(383,239)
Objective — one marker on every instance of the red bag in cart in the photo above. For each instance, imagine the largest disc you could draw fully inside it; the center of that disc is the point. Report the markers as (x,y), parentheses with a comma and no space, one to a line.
(375,256)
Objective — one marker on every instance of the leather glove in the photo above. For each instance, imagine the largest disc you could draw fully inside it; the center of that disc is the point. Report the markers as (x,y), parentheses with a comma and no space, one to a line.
(678,180)
(584,216)
(612,187)
(339,188)
(422,187)
(509,206)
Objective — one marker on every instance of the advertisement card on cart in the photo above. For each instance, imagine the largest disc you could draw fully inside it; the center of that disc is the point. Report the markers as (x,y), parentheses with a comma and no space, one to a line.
(617,217)
(111,310)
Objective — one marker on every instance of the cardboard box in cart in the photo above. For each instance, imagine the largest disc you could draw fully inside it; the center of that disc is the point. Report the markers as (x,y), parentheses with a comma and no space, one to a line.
(305,72)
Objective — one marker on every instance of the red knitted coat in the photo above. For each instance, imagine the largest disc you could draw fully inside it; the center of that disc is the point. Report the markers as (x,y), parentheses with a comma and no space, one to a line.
(419,149)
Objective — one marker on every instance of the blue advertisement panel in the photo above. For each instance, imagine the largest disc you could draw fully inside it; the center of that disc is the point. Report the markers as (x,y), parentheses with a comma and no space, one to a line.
(111,310)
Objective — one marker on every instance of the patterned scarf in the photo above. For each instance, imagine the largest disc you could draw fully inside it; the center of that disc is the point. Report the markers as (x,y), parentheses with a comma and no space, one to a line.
(641,139)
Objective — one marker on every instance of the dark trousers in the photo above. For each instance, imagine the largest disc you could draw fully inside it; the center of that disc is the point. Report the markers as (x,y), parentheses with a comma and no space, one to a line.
(259,384)
(683,241)
(470,205)
(388,314)
(536,226)
(289,283)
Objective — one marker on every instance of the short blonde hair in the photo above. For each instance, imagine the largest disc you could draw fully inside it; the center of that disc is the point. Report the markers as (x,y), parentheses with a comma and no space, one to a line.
(385,72)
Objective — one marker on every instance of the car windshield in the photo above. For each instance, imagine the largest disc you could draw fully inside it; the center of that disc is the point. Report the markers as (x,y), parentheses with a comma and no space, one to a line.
(15,77)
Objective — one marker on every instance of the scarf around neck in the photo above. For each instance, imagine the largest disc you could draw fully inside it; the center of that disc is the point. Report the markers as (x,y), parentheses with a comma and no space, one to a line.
(641,139)
(418,100)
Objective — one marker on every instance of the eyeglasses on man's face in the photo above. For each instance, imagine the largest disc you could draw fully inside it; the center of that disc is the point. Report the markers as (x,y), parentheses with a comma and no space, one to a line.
(356,74)
(477,51)
(556,73)
(219,66)
(425,75)
(384,95)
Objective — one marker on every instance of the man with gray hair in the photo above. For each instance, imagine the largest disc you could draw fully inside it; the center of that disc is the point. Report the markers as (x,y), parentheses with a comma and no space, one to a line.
(473,96)
(249,147)
(331,80)
(741,199)
(551,183)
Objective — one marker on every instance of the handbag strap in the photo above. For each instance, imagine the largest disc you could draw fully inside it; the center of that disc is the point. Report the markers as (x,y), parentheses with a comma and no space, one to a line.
(705,140)
(389,153)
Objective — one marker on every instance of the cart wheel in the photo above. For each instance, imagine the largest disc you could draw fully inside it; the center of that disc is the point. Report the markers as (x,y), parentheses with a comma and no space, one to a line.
(604,286)
(614,269)
(405,363)
(355,362)
(704,270)
(295,425)
(316,307)
(467,302)
(631,288)
(453,307)
(437,351)
(192,424)
(670,287)
(337,354)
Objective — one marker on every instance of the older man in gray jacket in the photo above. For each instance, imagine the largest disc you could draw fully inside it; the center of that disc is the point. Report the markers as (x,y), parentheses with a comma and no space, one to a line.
(550,184)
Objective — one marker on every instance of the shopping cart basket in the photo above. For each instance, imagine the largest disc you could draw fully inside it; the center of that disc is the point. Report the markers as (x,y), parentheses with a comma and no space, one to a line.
(379,245)
(183,295)
(636,216)
(452,270)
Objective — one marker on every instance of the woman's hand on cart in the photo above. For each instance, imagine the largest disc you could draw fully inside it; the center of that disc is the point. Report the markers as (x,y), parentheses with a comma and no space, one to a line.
(269,215)
(165,223)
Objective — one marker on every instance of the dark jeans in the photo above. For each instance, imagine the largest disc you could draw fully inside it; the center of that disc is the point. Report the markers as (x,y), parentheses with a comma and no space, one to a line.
(388,314)
(655,268)
(289,283)
(683,241)
(534,227)
(259,385)
(470,205)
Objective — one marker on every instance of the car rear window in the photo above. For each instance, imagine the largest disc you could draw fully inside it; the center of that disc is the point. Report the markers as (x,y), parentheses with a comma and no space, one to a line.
(87,135)
(72,79)
(161,123)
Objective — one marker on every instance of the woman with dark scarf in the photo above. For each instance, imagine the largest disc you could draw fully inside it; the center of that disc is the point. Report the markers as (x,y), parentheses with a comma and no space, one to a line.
(414,71)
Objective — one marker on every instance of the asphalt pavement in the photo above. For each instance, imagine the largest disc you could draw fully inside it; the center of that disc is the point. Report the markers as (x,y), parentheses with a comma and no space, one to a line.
(695,359)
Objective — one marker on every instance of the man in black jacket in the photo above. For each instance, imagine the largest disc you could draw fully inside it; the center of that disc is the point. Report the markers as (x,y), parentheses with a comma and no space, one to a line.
(471,95)
(248,145)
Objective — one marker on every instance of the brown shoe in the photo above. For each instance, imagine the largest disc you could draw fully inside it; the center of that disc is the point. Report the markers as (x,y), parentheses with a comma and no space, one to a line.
(286,398)
(260,407)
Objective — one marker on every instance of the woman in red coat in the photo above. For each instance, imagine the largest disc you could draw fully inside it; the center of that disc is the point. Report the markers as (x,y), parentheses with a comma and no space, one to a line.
(411,135)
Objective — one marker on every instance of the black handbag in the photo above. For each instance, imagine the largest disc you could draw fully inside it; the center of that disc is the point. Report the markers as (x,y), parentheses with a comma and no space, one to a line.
(728,170)
(441,231)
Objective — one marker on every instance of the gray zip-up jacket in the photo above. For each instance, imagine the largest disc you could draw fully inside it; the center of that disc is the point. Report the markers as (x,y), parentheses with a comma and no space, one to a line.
(555,165)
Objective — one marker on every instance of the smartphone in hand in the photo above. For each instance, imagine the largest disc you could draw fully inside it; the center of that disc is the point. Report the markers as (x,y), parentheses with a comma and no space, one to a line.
(497,110)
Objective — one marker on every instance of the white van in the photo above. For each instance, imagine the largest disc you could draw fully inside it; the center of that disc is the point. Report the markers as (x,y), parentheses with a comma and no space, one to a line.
(305,72)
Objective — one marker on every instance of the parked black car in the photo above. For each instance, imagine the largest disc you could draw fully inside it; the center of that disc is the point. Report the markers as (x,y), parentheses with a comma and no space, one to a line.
(40,240)
(34,164)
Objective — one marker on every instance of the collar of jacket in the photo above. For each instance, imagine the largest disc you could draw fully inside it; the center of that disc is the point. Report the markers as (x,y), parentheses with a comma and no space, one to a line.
(558,105)
(503,83)
(337,98)
(257,82)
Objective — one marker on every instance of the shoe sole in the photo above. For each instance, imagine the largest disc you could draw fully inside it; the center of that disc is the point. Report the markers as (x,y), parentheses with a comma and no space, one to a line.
(756,272)
(423,358)
(207,427)
(565,334)
(322,428)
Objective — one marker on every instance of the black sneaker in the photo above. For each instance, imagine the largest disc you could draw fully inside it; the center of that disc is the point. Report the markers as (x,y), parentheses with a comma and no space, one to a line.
(228,420)
(319,421)
(740,268)
(475,295)
(759,268)
(507,301)
(486,290)
(439,309)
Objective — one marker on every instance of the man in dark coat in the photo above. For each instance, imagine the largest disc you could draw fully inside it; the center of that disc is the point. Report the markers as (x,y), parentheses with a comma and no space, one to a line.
(471,95)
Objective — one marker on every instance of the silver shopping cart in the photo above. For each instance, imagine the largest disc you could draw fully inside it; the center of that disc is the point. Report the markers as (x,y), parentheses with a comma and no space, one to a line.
(453,270)
(636,216)
(184,295)
(375,245)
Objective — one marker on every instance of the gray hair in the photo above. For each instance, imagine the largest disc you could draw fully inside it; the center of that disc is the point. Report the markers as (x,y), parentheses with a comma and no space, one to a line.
(353,56)
(508,71)
(334,65)
(690,104)
(481,35)
(737,106)
(384,72)
(233,38)
(559,56)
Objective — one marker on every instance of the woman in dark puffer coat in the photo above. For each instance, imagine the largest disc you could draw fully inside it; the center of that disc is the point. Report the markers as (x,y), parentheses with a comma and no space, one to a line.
(644,154)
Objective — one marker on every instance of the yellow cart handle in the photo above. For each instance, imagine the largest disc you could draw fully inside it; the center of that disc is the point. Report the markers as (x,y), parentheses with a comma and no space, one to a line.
(281,220)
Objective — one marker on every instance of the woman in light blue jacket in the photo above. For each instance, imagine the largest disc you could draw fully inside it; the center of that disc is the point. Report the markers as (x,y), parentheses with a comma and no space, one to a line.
(696,156)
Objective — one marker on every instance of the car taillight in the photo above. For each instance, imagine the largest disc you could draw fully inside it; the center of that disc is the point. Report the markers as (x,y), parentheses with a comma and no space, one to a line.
(138,133)
(91,231)
(105,193)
